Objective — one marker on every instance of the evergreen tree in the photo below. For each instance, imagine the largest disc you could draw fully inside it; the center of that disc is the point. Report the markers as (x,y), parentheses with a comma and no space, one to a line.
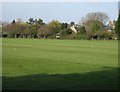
(117,26)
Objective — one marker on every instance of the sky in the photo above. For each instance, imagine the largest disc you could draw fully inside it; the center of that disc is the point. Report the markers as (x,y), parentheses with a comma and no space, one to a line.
(59,0)
(61,11)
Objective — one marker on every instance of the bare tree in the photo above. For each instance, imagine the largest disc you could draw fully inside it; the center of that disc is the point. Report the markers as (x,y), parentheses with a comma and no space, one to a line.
(95,16)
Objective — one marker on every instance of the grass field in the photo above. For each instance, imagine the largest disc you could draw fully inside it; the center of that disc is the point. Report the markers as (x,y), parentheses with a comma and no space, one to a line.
(34,64)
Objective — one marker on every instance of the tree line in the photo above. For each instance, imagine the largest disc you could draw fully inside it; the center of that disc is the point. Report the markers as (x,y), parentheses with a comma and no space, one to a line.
(92,26)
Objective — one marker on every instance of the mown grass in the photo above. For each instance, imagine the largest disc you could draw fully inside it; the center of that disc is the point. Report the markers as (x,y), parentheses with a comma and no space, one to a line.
(31,64)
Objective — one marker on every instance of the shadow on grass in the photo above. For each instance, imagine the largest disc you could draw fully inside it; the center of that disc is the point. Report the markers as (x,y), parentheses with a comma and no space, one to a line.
(99,80)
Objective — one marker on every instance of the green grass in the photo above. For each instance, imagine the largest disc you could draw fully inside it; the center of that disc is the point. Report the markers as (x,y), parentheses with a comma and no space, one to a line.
(0,57)
(32,64)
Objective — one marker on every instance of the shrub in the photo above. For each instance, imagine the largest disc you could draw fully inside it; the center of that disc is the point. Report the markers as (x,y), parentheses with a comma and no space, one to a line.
(82,30)
(108,36)
(69,36)
(65,32)
(80,37)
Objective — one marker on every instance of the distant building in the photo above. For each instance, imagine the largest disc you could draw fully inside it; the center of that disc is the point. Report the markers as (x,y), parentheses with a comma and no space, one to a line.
(112,24)
(73,28)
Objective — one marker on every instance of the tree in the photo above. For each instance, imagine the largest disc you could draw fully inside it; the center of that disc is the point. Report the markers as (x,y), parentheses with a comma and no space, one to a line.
(31,21)
(45,31)
(14,30)
(63,26)
(17,29)
(94,22)
(55,25)
(82,30)
(96,25)
(65,32)
(8,30)
(117,26)
(93,25)
(34,25)
(99,16)
(39,21)
(100,34)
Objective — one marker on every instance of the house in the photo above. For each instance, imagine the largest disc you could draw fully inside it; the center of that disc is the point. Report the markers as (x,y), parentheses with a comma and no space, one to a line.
(73,28)
(111,26)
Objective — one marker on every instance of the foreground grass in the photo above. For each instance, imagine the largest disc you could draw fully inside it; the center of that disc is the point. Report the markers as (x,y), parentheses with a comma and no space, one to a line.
(0,64)
(0,58)
(59,64)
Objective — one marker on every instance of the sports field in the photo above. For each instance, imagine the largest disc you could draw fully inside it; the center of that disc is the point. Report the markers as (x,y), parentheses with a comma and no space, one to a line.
(44,64)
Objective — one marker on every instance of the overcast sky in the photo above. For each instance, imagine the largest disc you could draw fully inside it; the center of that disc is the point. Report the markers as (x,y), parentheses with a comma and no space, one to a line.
(61,11)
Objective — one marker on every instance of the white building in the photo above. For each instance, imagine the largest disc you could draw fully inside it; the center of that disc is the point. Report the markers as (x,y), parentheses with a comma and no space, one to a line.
(73,28)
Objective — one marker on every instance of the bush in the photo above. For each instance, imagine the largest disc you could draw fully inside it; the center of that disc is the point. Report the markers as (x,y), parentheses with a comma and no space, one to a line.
(82,30)
(100,34)
(66,32)
(51,37)
(70,36)
(80,37)
(108,36)
(88,37)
